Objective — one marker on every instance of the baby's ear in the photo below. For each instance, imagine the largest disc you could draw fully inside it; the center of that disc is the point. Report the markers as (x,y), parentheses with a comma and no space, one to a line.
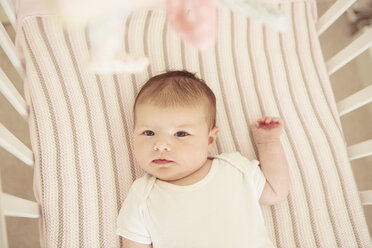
(212,136)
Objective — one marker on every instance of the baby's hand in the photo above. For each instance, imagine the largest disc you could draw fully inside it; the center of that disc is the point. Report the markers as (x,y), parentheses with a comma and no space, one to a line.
(267,129)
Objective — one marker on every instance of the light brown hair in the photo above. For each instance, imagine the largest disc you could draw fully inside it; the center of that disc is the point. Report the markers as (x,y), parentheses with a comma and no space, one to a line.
(178,89)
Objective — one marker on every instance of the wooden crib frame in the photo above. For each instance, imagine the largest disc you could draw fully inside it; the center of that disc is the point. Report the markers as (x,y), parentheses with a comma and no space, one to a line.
(14,206)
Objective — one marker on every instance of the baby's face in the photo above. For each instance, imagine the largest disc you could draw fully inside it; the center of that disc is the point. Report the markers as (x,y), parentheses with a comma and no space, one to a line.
(179,135)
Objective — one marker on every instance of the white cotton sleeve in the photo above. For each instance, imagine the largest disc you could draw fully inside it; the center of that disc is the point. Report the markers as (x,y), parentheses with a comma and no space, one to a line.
(130,222)
(258,177)
(254,173)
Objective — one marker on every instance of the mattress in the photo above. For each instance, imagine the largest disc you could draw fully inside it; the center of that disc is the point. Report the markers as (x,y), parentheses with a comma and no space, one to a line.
(80,123)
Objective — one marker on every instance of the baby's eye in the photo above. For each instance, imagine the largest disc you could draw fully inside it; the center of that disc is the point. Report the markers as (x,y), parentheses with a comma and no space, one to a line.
(181,134)
(149,133)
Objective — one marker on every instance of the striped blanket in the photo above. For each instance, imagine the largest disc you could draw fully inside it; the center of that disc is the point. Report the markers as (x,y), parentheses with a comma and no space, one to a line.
(80,123)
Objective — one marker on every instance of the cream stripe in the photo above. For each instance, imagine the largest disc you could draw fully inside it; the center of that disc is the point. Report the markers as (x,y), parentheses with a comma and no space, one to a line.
(318,222)
(136,44)
(319,62)
(191,56)
(219,81)
(164,38)
(281,213)
(132,41)
(155,41)
(173,50)
(338,194)
(127,50)
(106,82)
(36,148)
(251,36)
(54,211)
(279,85)
(313,237)
(227,79)
(38,174)
(243,65)
(335,157)
(183,55)
(69,157)
(265,91)
(127,114)
(100,135)
(321,145)
(94,149)
(122,142)
(173,53)
(126,106)
(299,196)
(83,145)
(254,75)
(321,222)
(111,239)
(139,43)
(145,40)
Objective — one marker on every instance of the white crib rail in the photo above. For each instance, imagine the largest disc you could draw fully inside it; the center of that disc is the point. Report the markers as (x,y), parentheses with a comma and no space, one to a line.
(366,197)
(10,50)
(13,145)
(351,51)
(11,205)
(10,10)
(18,207)
(360,98)
(360,150)
(331,15)
(10,92)
(355,101)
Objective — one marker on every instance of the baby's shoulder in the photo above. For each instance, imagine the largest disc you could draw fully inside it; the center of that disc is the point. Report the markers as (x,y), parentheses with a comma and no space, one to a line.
(238,161)
(143,184)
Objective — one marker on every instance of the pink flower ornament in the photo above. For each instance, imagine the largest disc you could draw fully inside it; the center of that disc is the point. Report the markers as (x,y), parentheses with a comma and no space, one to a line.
(193,20)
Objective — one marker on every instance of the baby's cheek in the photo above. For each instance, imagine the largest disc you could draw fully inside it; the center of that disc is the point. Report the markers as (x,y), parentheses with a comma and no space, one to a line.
(141,151)
(199,149)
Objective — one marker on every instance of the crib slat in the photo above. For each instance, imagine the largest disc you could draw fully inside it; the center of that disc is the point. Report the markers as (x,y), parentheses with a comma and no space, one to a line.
(3,232)
(18,207)
(331,15)
(355,101)
(10,50)
(9,9)
(360,150)
(13,145)
(366,197)
(355,48)
(13,96)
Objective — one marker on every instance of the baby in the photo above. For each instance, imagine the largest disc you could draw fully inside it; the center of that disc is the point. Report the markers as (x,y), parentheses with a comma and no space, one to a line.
(188,198)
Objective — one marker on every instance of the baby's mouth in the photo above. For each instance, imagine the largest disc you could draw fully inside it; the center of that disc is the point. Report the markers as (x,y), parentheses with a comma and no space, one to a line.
(161,161)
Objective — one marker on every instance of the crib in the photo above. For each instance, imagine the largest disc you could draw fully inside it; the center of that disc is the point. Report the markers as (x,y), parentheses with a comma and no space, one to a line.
(333,215)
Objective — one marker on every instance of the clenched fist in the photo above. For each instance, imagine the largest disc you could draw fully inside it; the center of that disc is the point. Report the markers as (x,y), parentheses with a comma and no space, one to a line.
(267,129)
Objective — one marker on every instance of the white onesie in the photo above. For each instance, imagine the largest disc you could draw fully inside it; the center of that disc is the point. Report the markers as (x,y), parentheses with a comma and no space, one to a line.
(220,211)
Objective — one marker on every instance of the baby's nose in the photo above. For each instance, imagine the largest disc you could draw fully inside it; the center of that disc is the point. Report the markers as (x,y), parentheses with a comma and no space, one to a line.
(161,146)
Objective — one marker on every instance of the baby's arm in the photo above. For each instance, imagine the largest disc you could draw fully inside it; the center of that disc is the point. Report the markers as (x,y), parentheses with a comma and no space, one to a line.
(131,244)
(272,158)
